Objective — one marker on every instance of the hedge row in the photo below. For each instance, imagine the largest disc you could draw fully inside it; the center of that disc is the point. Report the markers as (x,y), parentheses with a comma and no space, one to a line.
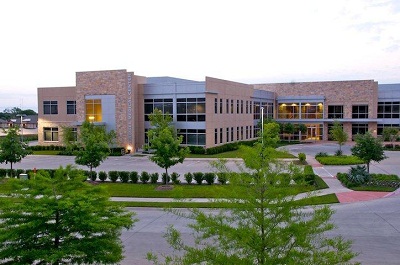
(115,151)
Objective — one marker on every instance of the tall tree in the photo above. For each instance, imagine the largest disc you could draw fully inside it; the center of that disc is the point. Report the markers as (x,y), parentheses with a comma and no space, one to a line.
(368,148)
(289,129)
(60,220)
(164,141)
(338,134)
(262,223)
(12,149)
(93,142)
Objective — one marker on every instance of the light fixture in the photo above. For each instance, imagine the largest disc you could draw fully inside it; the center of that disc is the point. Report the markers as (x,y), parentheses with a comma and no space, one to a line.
(294,104)
(308,104)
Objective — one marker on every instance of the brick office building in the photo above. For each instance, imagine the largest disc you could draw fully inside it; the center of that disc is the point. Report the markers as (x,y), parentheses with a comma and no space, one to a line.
(212,112)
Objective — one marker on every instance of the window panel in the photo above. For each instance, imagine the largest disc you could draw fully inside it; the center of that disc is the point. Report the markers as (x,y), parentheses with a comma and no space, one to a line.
(50,107)
(71,107)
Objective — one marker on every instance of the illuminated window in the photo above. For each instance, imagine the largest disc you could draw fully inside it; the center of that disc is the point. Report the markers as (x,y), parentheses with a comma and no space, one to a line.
(93,110)
(312,110)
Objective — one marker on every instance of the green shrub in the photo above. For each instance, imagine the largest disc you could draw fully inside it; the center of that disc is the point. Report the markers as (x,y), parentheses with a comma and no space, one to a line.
(3,172)
(222,177)
(165,178)
(198,177)
(222,148)
(321,154)
(197,150)
(134,177)
(302,157)
(19,171)
(308,170)
(154,178)
(175,178)
(144,177)
(102,176)
(338,152)
(188,177)
(358,174)
(113,175)
(209,177)
(124,176)
(92,176)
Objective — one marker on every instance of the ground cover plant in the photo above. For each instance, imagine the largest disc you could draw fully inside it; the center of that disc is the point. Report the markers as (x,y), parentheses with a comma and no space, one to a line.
(357,178)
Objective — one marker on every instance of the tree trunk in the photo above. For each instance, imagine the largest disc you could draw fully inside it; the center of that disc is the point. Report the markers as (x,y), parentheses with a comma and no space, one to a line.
(166,176)
(11,172)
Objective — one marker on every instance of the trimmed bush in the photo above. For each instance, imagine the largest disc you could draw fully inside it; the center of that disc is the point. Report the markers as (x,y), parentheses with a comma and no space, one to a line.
(302,157)
(124,176)
(175,178)
(154,178)
(209,177)
(338,152)
(113,175)
(198,177)
(92,176)
(308,170)
(144,177)
(197,150)
(222,177)
(102,176)
(134,177)
(188,177)
(222,148)
(321,154)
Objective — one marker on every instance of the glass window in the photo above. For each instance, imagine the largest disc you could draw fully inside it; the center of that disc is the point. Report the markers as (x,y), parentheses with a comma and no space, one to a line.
(93,110)
(50,107)
(215,105)
(50,134)
(191,109)
(220,105)
(360,112)
(389,110)
(312,110)
(163,104)
(359,128)
(335,112)
(71,107)
(216,136)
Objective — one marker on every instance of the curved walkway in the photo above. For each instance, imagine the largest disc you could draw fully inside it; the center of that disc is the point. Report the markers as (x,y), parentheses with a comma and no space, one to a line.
(343,194)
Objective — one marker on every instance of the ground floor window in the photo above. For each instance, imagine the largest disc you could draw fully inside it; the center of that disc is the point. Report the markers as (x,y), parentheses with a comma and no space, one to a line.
(359,128)
(193,136)
(382,126)
(50,134)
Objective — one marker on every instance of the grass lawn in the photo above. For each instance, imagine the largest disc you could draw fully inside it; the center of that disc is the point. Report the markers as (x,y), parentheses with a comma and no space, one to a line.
(339,160)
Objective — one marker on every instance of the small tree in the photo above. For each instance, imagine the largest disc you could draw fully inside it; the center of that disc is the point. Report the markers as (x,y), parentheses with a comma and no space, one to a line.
(12,149)
(289,129)
(390,134)
(302,130)
(60,220)
(163,139)
(270,135)
(338,134)
(69,140)
(368,149)
(93,142)
(261,224)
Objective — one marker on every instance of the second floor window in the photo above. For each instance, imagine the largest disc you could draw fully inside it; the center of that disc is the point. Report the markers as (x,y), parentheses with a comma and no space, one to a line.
(360,112)
(50,107)
(71,107)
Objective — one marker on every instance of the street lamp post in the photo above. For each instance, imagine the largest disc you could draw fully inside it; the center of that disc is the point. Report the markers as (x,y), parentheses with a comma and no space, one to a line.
(262,125)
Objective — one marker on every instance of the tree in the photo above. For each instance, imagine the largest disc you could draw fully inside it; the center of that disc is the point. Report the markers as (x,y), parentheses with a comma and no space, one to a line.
(338,134)
(302,129)
(390,134)
(270,136)
(12,149)
(289,129)
(368,149)
(60,220)
(163,140)
(93,141)
(69,140)
(261,224)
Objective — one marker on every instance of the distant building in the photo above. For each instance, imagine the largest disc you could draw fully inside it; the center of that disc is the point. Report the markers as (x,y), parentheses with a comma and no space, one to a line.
(212,112)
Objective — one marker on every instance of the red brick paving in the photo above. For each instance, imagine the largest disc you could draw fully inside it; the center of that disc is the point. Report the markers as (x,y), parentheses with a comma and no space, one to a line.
(356,196)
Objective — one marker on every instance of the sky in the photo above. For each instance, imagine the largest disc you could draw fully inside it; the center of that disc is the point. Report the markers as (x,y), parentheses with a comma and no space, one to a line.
(43,43)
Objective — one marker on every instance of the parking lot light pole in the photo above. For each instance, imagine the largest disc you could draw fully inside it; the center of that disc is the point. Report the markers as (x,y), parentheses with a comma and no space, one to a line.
(22,126)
